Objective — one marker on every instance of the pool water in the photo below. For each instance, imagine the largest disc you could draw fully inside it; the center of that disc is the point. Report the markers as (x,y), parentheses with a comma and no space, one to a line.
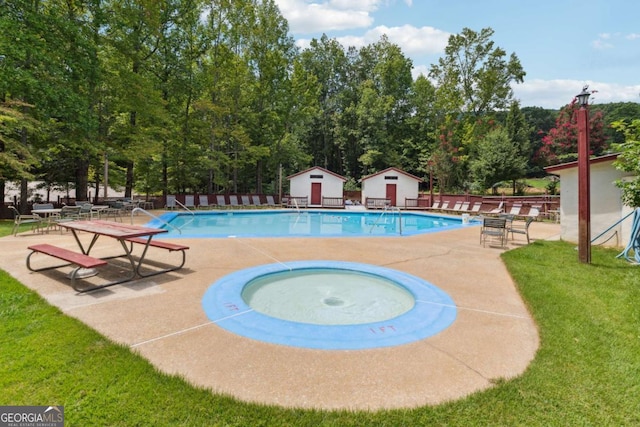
(302,224)
(327,296)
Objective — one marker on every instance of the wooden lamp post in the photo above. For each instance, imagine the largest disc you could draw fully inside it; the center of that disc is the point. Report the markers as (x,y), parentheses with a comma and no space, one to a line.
(584,203)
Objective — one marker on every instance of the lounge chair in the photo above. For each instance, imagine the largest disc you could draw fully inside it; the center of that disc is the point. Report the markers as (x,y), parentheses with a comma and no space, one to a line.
(18,219)
(497,210)
(245,200)
(256,200)
(189,201)
(171,201)
(271,201)
(515,209)
(464,207)
(534,212)
(220,201)
(435,205)
(476,207)
(495,228)
(233,201)
(519,227)
(456,206)
(203,202)
(444,206)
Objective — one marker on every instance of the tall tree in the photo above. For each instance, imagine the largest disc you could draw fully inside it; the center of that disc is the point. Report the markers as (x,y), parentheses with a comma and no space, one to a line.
(474,76)
(473,81)
(628,161)
(560,144)
(499,159)
(518,131)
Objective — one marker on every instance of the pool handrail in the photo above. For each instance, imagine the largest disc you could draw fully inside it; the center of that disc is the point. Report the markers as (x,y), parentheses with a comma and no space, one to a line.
(389,208)
(135,210)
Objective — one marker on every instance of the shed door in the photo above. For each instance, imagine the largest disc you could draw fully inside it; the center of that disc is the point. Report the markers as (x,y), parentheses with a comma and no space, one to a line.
(391,193)
(316,193)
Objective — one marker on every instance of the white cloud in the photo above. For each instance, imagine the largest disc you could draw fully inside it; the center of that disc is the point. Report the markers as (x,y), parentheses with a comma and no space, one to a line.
(600,44)
(412,41)
(557,93)
(313,17)
(633,36)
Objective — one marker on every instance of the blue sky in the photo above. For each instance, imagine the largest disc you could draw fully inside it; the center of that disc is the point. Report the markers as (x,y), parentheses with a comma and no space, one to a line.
(562,44)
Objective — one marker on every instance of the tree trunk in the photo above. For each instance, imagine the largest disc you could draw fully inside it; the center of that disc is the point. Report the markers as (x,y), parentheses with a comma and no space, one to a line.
(129,185)
(82,180)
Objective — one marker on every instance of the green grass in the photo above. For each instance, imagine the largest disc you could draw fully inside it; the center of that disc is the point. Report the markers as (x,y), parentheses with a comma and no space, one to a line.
(586,372)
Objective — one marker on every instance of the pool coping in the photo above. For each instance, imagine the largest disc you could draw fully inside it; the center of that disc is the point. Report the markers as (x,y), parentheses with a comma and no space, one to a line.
(161,318)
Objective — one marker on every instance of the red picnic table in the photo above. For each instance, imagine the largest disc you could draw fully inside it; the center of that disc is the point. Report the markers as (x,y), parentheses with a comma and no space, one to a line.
(126,234)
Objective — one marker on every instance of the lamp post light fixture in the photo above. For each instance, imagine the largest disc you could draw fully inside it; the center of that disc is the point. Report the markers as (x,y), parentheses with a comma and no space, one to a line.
(584,203)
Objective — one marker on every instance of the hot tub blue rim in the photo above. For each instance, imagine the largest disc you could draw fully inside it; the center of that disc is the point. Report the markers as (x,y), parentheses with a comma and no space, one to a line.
(434,310)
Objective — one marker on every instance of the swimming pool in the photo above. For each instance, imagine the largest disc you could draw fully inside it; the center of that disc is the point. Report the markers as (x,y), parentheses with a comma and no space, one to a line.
(316,223)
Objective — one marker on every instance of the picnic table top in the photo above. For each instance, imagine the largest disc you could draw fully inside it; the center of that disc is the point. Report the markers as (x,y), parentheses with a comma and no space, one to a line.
(111,228)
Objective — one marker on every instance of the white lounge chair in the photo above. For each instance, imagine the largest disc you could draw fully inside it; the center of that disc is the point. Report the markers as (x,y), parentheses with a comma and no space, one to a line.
(233,201)
(256,200)
(189,201)
(171,201)
(220,201)
(271,201)
(203,202)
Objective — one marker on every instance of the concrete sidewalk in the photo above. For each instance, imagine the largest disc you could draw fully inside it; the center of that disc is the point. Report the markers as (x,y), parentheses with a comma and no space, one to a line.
(162,319)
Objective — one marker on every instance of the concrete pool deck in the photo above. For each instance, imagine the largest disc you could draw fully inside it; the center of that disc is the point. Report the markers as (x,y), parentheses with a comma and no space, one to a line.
(162,319)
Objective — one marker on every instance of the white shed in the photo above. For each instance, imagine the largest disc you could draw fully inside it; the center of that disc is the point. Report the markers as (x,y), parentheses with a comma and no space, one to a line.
(605,197)
(390,186)
(319,186)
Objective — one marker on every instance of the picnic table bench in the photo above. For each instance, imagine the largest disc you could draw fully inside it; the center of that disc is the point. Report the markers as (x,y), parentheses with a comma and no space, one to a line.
(71,257)
(171,247)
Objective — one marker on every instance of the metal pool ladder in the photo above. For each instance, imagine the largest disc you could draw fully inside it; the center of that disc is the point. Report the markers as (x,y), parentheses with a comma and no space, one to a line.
(387,209)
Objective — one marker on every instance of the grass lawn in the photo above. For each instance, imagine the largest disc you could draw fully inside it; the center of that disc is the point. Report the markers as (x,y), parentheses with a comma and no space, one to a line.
(587,371)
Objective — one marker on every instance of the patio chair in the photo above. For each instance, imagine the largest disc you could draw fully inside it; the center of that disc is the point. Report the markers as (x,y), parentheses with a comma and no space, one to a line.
(85,210)
(220,201)
(37,206)
(493,228)
(520,227)
(189,201)
(245,201)
(444,206)
(203,202)
(171,201)
(464,207)
(18,219)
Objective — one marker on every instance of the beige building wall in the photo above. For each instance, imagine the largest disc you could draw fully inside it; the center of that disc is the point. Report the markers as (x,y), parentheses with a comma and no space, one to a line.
(606,204)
